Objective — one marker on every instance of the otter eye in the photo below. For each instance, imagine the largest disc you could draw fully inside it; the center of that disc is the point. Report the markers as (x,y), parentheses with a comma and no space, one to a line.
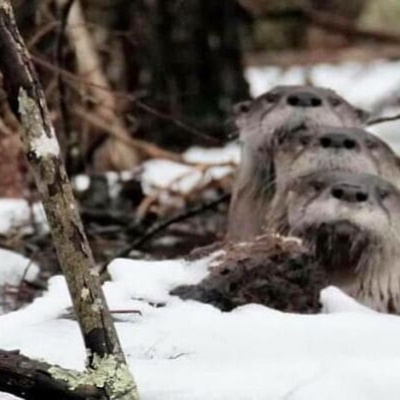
(317,185)
(242,107)
(304,140)
(383,193)
(335,101)
(271,97)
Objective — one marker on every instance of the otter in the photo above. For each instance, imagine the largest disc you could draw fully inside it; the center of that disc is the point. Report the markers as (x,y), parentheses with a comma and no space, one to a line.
(302,150)
(284,108)
(351,222)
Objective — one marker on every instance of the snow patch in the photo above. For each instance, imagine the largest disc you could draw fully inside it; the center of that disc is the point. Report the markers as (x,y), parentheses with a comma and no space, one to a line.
(186,350)
(44,145)
(19,214)
(15,267)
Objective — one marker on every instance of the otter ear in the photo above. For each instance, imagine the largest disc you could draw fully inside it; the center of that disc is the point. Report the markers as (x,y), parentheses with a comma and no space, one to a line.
(363,115)
(241,108)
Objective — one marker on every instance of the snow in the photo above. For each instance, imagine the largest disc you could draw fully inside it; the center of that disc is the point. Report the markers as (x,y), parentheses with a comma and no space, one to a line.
(17,213)
(228,154)
(44,145)
(183,178)
(186,350)
(15,267)
(81,182)
(162,177)
(41,142)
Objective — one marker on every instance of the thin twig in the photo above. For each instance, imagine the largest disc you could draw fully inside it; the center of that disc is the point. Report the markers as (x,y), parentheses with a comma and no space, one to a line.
(381,120)
(161,226)
(114,131)
(329,22)
(130,97)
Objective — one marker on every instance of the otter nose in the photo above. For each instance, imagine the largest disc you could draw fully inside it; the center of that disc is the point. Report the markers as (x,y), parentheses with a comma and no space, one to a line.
(304,99)
(350,194)
(338,141)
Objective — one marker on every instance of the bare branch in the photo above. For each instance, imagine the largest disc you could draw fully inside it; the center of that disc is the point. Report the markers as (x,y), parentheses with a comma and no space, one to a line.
(26,97)
(161,226)
(32,380)
(381,120)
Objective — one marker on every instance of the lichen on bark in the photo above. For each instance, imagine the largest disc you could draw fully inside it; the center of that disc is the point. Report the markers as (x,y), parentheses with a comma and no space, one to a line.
(40,142)
(108,372)
(106,361)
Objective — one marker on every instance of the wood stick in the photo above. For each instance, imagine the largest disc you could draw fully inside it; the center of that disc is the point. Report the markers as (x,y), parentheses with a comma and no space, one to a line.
(42,150)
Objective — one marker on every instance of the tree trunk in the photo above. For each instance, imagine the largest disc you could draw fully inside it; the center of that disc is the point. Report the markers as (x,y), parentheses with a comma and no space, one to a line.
(25,94)
(188,64)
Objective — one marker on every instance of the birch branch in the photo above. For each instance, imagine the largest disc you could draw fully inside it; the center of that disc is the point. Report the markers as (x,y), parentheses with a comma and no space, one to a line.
(41,147)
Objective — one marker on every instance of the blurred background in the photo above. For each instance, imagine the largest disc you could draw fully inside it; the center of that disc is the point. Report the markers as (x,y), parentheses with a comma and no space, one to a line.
(169,71)
(140,93)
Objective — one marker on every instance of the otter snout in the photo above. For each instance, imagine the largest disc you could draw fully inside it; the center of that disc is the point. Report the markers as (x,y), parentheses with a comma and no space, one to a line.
(357,193)
(304,99)
(338,141)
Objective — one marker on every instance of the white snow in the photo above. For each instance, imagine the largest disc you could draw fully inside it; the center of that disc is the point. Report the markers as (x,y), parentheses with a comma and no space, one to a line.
(182,178)
(162,178)
(44,145)
(228,154)
(41,143)
(80,182)
(15,267)
(192,351)
(18,214)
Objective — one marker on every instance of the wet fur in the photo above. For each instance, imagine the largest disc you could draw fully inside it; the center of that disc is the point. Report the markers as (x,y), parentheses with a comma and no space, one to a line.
(299,152)
(358,244)
(257,122)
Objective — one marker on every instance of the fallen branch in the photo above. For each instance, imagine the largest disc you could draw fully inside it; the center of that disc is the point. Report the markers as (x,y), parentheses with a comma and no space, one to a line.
(25,94)
(33,380)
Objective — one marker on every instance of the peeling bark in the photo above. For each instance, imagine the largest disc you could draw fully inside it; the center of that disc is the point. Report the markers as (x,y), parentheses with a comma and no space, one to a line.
(42,151)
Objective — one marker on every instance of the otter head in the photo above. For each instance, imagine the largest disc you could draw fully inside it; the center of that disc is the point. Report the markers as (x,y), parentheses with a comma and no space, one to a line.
(291,106)
(352,221)
(284,108)
(302,150)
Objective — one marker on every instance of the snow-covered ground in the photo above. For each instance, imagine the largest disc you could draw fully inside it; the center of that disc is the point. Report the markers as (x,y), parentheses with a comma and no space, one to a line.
(191,351)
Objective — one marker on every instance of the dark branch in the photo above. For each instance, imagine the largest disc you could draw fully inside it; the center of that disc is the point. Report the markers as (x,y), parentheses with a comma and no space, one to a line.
(31,380)
(161,226)
(381,120)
